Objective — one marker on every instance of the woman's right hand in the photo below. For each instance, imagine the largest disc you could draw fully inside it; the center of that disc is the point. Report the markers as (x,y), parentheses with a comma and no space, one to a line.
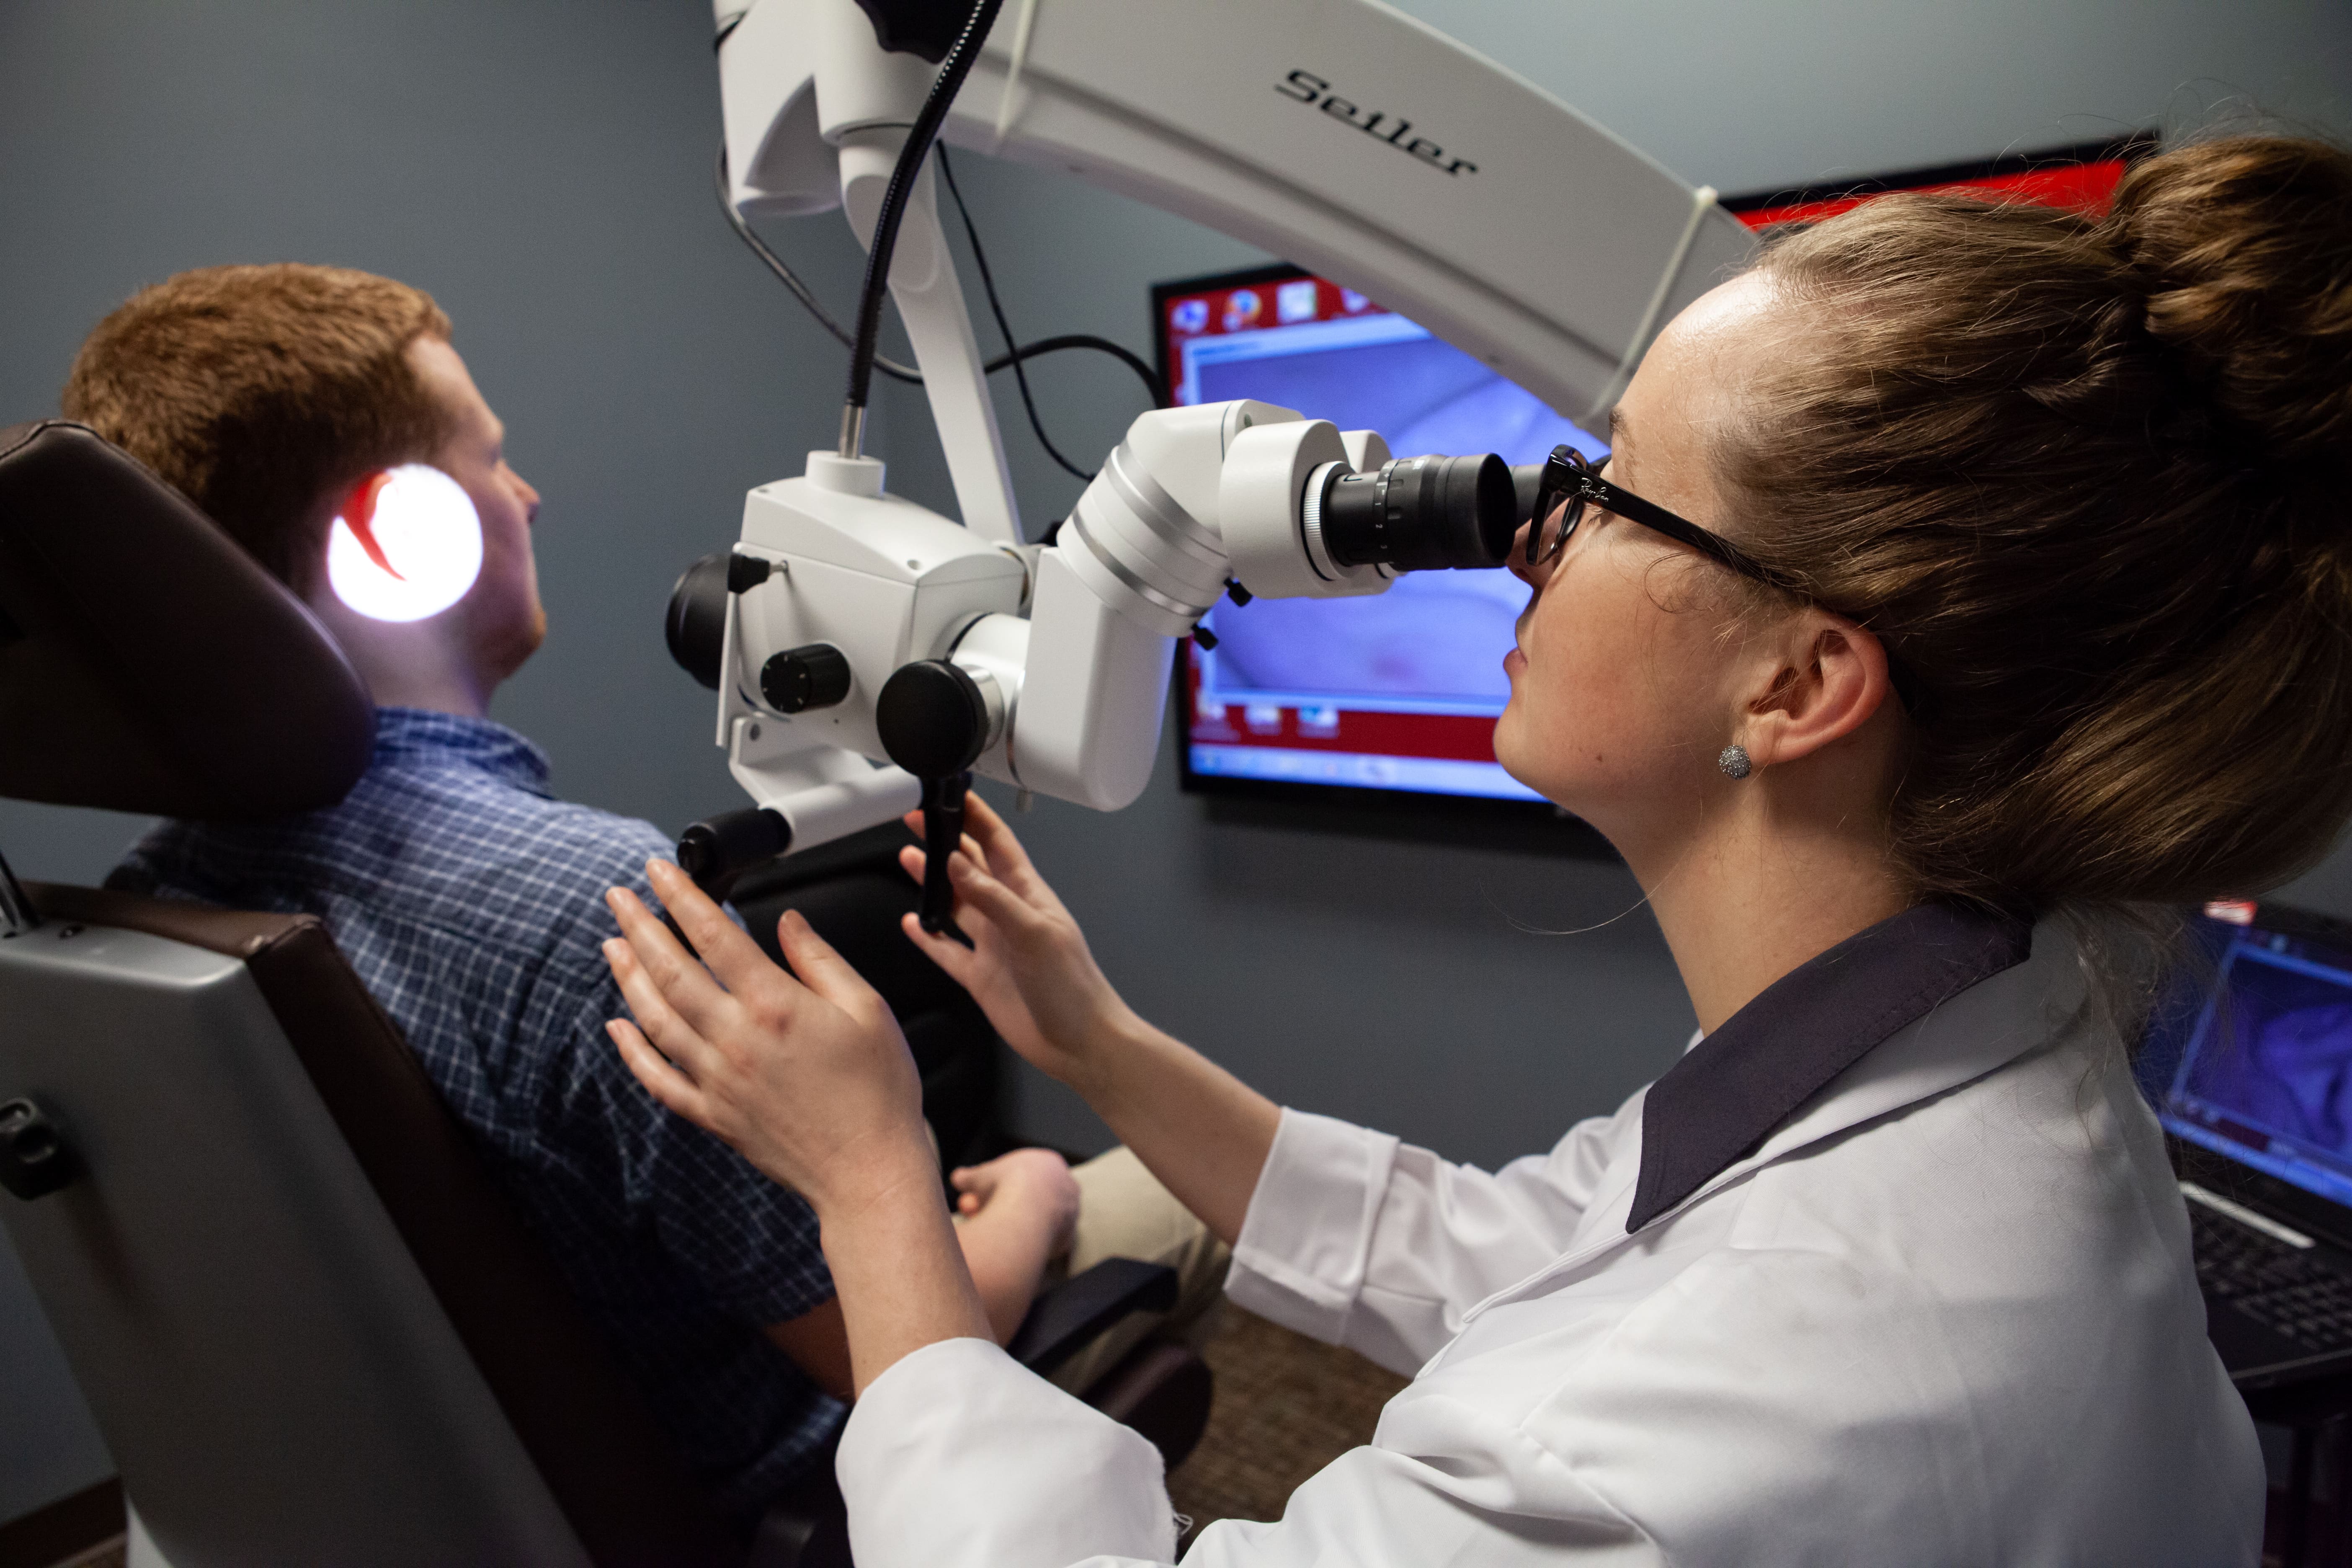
(1196,1126)
(1028,966)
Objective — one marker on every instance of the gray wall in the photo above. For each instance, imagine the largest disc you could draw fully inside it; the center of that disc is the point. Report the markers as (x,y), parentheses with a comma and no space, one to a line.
(543,170)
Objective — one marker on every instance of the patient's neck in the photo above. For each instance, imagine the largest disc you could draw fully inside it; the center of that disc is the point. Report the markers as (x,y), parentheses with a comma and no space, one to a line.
(412,664)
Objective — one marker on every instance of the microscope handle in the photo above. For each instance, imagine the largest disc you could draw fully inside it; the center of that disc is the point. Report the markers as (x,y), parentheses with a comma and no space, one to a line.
(942,836)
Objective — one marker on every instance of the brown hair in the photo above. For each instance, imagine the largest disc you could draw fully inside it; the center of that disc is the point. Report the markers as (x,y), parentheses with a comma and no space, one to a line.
(2086,478)
(258,391)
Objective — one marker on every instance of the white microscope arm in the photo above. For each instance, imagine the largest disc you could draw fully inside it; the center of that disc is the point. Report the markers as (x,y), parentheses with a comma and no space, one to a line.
(1337,133)
(1340,134)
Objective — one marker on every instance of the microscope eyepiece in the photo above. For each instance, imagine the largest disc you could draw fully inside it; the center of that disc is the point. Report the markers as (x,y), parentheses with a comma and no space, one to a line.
(1421,514)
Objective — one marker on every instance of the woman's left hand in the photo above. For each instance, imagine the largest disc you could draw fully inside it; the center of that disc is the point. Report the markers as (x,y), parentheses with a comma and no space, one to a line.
(809,1079)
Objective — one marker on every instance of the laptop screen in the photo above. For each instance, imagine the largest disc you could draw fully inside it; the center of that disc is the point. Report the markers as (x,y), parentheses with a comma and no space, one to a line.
(2265,1075)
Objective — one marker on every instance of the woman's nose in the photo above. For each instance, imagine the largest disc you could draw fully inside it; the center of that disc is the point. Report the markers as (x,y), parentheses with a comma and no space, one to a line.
(1533,576)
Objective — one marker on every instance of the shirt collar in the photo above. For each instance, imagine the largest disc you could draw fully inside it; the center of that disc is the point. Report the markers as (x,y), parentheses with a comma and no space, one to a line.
(1729,1092)
(414,735)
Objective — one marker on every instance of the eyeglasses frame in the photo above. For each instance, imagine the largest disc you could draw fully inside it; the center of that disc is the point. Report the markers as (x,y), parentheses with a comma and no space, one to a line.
(1568,476)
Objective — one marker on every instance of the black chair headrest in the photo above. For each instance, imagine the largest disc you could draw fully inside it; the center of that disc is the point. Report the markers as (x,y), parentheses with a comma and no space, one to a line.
(147,664)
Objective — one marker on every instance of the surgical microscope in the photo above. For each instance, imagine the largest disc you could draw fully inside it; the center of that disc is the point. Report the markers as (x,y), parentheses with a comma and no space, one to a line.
(870,655)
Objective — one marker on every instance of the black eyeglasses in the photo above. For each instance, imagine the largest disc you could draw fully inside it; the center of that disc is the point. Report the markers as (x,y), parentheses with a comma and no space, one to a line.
(1569,477)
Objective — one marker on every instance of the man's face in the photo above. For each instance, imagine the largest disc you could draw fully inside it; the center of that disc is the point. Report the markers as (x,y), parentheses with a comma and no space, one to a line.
(501,616)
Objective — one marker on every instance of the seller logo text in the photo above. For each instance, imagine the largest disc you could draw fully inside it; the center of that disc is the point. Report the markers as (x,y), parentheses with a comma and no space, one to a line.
(1305,86)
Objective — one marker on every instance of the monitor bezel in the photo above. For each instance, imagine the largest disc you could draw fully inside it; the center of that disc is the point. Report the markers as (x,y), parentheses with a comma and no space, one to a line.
(2127,150)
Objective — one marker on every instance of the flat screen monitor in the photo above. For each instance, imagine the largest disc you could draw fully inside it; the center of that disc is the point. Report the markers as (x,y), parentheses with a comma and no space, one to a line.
(1397,694)
(1393,691)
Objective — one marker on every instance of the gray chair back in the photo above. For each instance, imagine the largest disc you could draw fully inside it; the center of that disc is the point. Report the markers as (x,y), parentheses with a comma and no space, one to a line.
(310,1326)
(272,1369)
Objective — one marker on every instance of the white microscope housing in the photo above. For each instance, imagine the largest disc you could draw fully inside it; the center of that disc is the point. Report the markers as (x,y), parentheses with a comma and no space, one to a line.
(849,628)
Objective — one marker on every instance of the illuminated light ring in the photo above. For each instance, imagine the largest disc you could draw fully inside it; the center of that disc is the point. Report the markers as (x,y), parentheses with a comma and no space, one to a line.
(406,544)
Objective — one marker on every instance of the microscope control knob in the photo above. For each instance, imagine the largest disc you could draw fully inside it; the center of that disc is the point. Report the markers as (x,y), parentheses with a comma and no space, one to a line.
(815,676)
(933,719)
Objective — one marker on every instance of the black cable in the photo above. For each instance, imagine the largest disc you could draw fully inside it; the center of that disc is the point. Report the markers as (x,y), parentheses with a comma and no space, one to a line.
(988,285)
(924,131)
(1150,378)
(890,367)
(801,291)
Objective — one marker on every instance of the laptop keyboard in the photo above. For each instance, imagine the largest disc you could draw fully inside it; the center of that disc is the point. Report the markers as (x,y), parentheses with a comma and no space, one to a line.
(2283,1287)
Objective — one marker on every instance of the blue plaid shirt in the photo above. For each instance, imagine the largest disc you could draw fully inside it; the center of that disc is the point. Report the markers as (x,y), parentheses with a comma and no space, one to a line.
(471,901)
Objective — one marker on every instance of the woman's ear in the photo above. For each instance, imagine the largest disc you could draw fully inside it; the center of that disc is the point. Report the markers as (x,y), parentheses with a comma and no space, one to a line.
(1829,682)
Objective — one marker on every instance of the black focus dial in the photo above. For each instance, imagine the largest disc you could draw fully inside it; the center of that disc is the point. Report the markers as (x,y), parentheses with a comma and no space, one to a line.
(933,719)
(800,679)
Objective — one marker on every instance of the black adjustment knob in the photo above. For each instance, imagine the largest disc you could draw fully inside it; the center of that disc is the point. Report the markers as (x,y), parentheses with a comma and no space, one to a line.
(933,719)
(797,679)
(718,849)
(34,1159)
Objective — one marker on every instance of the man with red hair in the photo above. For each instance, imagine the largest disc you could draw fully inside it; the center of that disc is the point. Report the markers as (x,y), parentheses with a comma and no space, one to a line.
(466,896)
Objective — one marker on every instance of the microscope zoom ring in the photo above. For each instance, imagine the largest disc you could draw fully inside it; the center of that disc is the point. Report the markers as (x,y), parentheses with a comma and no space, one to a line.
(1075,527)
(1310,522)
(1161,512)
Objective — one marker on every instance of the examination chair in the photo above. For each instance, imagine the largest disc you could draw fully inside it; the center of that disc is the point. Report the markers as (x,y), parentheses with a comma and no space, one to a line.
(311,1328)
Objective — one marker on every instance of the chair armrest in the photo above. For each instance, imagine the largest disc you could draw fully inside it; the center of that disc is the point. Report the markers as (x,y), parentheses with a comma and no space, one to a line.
(1066,1318)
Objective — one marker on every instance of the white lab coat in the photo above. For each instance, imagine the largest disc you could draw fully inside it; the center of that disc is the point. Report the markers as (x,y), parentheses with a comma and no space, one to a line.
(1944,1315)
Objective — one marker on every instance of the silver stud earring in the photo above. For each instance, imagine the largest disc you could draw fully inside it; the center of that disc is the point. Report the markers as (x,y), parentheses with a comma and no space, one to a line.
(1734,763)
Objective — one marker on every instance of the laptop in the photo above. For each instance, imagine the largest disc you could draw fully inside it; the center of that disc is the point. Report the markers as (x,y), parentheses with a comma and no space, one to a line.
(2248,1063)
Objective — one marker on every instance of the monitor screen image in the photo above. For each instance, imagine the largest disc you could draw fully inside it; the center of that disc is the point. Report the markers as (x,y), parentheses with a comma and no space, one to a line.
(1398,692)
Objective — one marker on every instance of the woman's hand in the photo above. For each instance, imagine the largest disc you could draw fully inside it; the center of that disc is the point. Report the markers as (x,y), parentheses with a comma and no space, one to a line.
(811,1082)
(1028,966)
(808,1079)
(1194,1125)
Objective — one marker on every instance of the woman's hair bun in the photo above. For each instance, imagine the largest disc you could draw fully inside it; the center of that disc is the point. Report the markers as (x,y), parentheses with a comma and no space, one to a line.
(2088,480)
(2242,250)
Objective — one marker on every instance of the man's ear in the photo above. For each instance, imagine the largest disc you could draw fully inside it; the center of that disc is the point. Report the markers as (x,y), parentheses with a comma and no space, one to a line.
(402,543)
(1829,682)
(308,567)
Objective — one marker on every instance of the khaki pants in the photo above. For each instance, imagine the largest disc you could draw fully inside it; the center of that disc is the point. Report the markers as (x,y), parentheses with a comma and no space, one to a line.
(1124,1212)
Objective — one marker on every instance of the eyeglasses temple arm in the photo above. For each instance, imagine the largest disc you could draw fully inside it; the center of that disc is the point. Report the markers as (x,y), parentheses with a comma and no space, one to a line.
(1657,519)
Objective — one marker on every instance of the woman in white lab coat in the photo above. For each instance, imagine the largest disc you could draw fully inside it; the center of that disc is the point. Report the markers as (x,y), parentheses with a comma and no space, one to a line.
(1958,569)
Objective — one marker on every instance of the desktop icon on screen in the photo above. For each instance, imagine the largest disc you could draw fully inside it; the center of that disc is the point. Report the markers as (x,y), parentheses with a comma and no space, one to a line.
(1296,301)
(1190,316)
(1241,308)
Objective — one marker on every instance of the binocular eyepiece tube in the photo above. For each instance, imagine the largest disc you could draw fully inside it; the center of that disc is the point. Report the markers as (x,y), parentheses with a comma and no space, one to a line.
(1418,514)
